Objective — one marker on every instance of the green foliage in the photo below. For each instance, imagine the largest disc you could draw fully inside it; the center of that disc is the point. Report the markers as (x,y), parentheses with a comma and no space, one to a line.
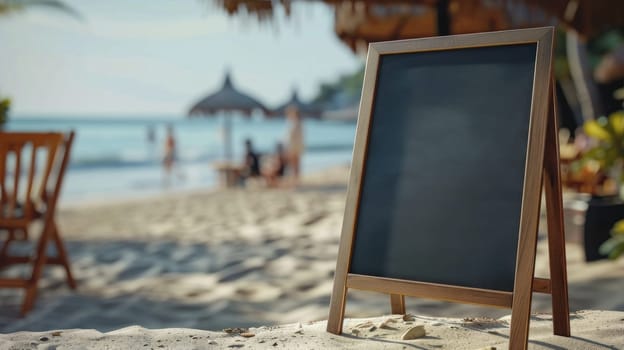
(349,85)
(609,132)
(614,247)
(5,105)
(604,44)
(11,6)
(597,48)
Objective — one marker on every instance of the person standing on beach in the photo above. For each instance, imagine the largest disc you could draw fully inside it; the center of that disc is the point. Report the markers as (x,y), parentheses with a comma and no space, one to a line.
(295,144)
(251,163)
(151,134)
(277,167)
(169,157)
(152,155)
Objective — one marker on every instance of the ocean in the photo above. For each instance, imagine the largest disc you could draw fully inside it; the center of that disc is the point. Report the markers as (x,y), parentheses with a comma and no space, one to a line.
(113,157)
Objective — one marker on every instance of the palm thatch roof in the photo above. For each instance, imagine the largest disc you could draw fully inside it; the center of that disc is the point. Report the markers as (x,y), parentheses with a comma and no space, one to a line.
(356,26)
(307,110)
(261,9)
(361,21)
(227,99)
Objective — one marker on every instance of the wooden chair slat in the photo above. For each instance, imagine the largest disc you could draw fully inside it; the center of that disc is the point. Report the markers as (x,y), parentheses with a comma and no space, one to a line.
(28,209)
(16,179)
(51,157)
(13,282)
(66,145)
(3,194)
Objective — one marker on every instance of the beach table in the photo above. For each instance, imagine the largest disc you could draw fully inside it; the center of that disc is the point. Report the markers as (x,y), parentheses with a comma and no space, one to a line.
(230,174)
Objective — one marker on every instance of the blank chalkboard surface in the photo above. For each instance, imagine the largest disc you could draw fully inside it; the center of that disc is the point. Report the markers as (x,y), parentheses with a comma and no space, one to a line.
(442,184)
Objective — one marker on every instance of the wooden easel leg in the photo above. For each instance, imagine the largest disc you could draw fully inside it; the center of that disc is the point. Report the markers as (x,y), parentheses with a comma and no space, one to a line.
(38,264)
(397,304)
(339,293)
(337,306)
(62,254)
(556,236)
(523,294)
(525,271)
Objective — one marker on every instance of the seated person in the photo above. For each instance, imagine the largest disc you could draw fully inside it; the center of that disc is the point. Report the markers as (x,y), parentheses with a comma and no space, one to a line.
(277,166)
(251,164)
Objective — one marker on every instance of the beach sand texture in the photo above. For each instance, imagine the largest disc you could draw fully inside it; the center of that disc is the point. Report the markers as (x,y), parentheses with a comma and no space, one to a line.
(370,333)
(249,258)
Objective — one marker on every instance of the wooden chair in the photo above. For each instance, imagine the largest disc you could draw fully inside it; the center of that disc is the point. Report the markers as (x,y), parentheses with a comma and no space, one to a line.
(32,166)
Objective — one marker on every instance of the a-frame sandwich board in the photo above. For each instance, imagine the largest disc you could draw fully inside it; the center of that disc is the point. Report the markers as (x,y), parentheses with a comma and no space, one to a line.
(394,238)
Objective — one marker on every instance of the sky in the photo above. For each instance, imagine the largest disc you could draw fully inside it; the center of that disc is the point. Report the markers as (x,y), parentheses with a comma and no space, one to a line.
(137,57)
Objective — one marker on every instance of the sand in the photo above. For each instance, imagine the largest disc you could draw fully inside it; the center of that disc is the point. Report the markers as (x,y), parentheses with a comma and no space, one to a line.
(371,333)
(209,260)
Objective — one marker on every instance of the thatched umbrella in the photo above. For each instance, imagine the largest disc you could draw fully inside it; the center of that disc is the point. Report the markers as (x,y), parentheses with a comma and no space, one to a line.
(307,110)
(227,100)
(373,21)
(356,26)
(263,10)
(364,21)
(380,20)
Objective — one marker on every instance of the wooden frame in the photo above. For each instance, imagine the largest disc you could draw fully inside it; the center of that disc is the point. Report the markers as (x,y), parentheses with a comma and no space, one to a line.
(57,147)
(541,165)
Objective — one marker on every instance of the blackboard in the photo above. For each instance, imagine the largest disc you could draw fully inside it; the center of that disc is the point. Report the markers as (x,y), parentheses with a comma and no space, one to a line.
(442,186)
(456,137)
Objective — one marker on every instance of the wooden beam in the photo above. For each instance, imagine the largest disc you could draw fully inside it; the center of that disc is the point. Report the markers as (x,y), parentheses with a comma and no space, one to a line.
(430,290)
(541,285)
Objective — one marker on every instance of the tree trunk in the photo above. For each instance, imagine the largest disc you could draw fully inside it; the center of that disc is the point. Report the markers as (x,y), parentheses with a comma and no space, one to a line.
(580,70)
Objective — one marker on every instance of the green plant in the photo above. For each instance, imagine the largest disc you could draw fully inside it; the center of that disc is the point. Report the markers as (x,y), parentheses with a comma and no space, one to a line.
(5,105)
(609,150)
(11,6)
(614,246)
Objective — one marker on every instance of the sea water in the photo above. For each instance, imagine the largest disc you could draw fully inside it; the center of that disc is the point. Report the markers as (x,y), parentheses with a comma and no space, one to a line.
(113,157)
